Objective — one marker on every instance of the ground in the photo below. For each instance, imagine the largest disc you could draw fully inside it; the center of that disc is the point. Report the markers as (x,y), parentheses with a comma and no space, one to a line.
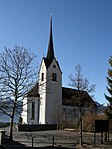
(55,139)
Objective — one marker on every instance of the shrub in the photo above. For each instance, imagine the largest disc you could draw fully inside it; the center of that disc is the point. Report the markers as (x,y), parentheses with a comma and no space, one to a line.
(88,121)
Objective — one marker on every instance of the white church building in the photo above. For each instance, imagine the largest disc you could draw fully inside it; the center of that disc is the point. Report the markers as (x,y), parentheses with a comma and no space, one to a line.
(48,101)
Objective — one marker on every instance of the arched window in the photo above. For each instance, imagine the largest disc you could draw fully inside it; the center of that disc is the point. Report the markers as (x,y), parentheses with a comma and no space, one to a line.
(33,110)
(42,77)
(54,77)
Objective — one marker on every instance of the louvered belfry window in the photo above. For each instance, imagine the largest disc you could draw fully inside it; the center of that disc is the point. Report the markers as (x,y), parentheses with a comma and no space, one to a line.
(54,77)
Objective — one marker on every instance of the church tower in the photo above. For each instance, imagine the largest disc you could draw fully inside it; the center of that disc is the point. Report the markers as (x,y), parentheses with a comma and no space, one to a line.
(50,86)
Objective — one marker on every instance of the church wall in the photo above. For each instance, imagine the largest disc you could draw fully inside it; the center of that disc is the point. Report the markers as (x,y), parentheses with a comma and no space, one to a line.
(33,118)
(71,113)
(42,92)
(54,94)
(27,110)
(24,113)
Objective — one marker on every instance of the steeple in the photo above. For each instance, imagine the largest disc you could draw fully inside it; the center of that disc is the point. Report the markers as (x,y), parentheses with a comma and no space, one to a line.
(50,52)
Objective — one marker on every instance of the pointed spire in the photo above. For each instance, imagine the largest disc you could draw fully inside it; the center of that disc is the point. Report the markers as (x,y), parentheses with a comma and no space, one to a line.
(50,52)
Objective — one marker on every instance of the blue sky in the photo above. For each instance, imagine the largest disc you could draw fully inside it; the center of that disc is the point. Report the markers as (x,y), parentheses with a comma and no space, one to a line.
(82,33)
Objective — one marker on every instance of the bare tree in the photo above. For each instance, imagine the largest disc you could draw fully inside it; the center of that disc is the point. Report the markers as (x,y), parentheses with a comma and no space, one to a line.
(81,84)
(57,114)
(17,76)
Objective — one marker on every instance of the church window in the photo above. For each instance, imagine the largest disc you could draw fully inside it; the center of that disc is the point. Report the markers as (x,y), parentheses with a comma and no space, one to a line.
(54,77)
(33,110)
(42,77)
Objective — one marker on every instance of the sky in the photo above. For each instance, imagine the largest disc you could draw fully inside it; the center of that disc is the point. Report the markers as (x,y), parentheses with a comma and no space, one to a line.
(82,34)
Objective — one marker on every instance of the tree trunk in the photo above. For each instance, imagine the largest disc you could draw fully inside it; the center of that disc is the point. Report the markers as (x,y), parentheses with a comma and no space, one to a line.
(12,121)
(11,129)
(80,118)
(81,131)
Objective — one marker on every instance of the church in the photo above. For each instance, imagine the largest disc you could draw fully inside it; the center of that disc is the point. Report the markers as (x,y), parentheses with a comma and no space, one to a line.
(48,102)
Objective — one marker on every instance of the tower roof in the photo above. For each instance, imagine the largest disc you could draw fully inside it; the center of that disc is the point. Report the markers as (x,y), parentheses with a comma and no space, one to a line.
(50,52)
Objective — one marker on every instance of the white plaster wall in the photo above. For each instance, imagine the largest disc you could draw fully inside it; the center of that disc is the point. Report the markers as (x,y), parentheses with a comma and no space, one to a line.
(54,94)
(35,120)
(42,92)
(72,112)
(24,111)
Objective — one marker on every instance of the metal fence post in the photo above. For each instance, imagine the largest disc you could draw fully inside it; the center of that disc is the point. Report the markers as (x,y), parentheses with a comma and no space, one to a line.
(32,142)
(2,137)
(53,141)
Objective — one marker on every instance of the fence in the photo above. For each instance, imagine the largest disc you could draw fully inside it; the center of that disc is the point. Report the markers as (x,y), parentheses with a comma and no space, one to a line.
(49,140)
(68,141)
(61,138)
